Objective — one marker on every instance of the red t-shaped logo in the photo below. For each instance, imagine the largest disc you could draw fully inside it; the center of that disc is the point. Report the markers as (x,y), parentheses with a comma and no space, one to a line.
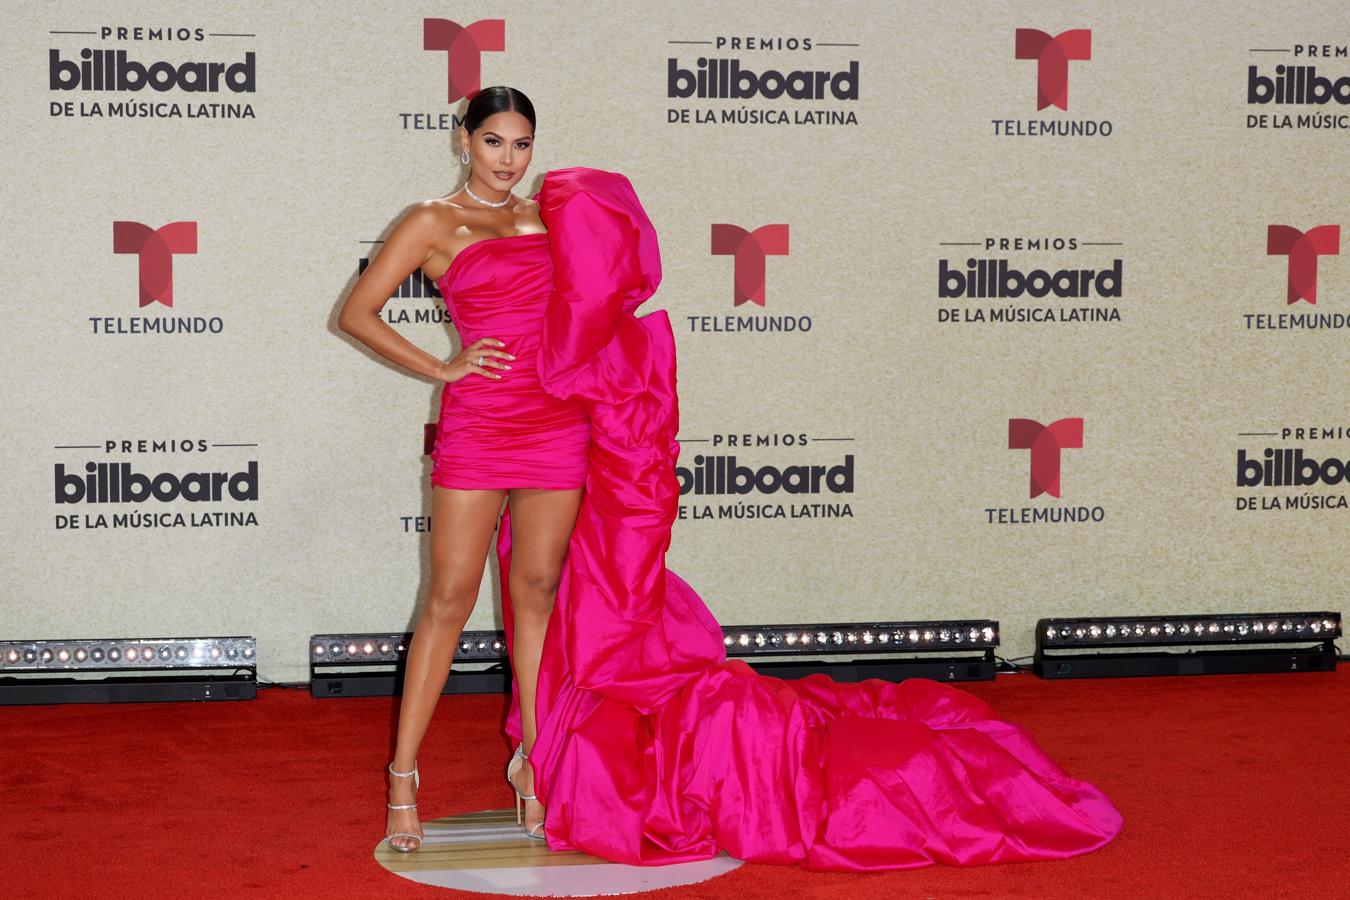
(749,249)
(1052,55)
(464,48)
(1045,443)
(156,248)
(1303,248)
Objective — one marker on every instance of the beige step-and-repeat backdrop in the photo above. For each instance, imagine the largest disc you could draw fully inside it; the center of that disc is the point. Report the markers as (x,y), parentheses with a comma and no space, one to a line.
(1050,295)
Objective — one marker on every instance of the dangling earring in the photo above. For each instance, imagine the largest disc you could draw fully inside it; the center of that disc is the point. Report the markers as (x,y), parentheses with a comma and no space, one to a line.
(464,157)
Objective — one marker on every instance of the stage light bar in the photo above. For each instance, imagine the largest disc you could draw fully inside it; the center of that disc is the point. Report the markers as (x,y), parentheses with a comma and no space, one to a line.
(1190,630)
(1233,632)
(865,637)
(890,650)
(337,661)
(122,655)
(133,670)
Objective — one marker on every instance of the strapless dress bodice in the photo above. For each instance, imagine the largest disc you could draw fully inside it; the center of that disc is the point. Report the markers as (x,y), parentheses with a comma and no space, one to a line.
(508,432)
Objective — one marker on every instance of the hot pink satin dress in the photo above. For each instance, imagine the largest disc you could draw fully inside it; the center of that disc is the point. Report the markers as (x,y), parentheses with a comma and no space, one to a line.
(505,433)
(652,746)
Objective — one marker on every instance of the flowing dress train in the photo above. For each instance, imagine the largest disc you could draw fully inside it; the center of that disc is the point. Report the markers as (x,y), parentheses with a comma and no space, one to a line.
(652,746)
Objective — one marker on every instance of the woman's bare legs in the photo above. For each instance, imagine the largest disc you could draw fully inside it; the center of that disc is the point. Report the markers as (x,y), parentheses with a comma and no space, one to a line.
(541,524)
(461,532)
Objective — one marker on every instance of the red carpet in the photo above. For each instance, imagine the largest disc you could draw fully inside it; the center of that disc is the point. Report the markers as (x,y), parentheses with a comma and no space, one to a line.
(1231,786)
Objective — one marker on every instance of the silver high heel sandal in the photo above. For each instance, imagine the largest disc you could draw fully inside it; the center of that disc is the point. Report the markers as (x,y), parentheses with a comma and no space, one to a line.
(417,783)
(518,760)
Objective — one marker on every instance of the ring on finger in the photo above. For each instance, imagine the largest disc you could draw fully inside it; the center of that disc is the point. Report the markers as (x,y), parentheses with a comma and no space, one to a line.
(480,362)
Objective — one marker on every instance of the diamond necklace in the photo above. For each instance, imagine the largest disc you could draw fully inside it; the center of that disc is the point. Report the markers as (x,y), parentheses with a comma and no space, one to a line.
(493,203)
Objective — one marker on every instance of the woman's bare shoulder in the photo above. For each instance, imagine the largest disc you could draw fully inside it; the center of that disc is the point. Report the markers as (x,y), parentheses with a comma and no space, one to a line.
(423,218)
(438,209)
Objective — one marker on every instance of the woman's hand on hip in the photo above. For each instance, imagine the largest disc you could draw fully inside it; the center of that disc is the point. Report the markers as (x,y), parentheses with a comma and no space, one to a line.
(481,358)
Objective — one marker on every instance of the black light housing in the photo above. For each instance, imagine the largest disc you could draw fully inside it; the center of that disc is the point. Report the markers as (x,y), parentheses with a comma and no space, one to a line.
(948,650)
(371,665)
(364,665)
(1088,647)
(127,670)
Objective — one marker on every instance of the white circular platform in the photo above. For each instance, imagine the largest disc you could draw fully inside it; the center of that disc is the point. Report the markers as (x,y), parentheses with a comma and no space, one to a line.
(487,852)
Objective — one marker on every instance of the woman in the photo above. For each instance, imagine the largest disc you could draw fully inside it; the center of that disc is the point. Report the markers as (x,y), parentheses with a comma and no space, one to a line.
(644,743)
(499,434)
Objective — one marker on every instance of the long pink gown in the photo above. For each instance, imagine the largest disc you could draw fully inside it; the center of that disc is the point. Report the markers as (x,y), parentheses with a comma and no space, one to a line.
(652,746)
